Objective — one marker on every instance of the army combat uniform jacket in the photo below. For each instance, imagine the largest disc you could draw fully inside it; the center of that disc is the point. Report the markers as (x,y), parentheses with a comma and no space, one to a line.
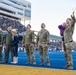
(28,37)
(69,31)
(43,37)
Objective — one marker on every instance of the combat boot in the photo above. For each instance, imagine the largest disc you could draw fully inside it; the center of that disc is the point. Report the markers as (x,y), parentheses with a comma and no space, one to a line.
(48,64)
(34,62)
(28,62)
(42,64)
(70,67)
(66,66)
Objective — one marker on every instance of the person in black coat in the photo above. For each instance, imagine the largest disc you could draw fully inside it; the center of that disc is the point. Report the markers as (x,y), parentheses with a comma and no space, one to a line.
(15,41)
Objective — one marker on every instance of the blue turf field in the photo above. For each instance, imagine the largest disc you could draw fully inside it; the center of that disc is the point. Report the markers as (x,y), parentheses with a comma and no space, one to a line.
(57,60)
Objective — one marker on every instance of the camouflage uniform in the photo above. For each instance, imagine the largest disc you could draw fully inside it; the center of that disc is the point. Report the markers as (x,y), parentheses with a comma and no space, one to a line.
(68,42)
(27,40)
(1,43)
(43,38)
(8,42)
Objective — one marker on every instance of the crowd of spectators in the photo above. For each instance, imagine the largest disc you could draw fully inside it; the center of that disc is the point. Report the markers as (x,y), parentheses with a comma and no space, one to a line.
(5,22)
(55,46)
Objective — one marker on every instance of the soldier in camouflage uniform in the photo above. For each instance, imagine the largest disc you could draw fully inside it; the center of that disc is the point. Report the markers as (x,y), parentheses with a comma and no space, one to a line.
(28,42)
(68,33)
(1,43)
(43,40)
(8,43)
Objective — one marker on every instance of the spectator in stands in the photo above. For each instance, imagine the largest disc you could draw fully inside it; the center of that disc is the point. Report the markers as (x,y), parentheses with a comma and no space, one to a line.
(4,25)
(13,24)
(5,22)
(15,41)
(1,43)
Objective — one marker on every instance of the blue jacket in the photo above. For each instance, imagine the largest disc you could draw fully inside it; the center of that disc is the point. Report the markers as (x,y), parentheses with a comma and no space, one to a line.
(15,41)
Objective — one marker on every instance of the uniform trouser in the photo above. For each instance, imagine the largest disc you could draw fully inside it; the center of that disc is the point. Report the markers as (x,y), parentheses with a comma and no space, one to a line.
(29,52)
(68,53)
(43,52)
(0,53)
(7,50)
(15,51)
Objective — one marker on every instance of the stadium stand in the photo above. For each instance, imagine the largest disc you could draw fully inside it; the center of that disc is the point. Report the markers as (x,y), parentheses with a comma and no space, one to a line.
(5,22)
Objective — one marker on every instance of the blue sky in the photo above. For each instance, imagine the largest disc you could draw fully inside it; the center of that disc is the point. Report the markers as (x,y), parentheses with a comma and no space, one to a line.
(52,13)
